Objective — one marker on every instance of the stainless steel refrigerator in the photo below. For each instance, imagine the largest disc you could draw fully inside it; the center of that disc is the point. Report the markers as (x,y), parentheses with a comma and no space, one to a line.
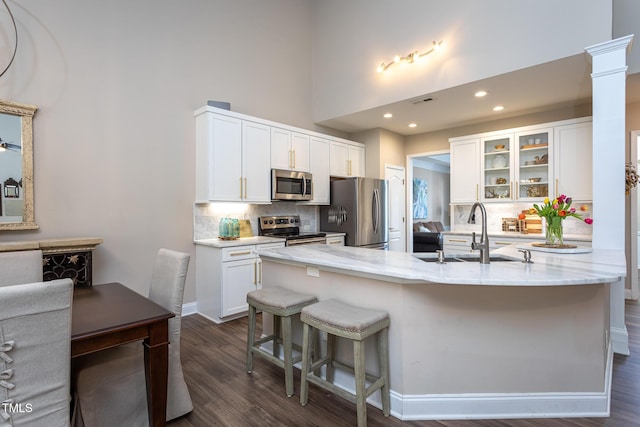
(360,208)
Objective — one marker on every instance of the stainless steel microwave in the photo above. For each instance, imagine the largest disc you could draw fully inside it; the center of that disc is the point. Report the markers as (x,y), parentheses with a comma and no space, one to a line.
(291,185)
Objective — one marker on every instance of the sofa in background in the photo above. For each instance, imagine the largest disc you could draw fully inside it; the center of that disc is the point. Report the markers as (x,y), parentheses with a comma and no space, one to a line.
(427,236)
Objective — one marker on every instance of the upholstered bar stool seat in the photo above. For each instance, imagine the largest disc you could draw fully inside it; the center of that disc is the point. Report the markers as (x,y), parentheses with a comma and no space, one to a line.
(282,304)
(339,319)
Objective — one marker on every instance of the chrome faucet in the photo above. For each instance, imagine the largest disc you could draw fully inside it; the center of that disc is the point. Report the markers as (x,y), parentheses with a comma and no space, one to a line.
(483,246)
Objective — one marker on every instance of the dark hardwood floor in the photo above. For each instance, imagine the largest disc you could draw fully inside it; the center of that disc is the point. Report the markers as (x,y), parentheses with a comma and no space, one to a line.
(223,394)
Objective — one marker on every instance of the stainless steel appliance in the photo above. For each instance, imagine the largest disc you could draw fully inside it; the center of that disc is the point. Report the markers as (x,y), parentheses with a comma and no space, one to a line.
(291,185)
(288,228)
(359,207)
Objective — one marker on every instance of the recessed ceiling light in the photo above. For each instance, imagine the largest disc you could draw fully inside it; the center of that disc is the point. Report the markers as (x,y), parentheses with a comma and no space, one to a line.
(412,125)
(481,93)
(498,108)
(388,115)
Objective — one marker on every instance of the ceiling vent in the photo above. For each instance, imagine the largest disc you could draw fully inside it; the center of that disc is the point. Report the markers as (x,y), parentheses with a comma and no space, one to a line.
(422,100)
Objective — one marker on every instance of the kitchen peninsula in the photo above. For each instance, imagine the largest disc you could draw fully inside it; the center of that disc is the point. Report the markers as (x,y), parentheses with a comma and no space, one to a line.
(467,340)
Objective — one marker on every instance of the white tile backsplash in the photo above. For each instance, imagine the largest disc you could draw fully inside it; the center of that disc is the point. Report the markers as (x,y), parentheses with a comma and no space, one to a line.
(206,216)
(497,211)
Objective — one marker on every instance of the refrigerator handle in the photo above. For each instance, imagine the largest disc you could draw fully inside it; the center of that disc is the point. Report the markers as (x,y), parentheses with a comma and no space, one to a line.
(376,209)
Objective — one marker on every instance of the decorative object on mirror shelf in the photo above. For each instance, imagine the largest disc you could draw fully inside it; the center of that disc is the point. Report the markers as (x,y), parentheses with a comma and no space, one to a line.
(554,213)
(501,181)
(631,177)
(11,189)
(499,147)
(412,57)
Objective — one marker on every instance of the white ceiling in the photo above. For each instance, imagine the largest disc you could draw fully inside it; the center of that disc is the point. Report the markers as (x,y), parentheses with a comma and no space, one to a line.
(562,83)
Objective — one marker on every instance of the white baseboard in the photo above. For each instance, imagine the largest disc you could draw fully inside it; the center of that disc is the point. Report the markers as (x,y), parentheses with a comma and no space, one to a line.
(495,405)
(620,341)
(189,308)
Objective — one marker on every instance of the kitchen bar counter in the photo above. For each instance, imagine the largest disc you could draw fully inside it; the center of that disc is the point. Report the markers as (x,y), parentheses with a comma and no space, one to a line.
(504,340)
(548,269)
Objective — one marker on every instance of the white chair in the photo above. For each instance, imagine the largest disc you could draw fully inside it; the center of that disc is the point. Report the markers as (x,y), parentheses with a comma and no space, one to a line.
(35,353)
(110,385)
(20,267)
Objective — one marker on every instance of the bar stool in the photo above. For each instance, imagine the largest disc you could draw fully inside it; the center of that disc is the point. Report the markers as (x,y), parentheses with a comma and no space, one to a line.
(282,304)
(339,319)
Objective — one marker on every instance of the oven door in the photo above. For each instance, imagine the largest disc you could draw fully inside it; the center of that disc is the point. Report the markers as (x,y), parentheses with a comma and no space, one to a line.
(289,185)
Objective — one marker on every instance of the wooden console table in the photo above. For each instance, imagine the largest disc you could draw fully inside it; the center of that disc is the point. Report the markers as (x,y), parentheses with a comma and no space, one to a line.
(62,258)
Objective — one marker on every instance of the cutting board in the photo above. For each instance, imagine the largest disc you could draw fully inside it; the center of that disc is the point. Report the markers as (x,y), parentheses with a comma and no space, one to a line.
(245,228)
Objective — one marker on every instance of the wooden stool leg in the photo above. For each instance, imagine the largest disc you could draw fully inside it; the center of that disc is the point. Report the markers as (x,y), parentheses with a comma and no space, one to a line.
(306,350)
(276,335)
(361,394)
(331,353)
(383,352)
(251,337)
(288,356)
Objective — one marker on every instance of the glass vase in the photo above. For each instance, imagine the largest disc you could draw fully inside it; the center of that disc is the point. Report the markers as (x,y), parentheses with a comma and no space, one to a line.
(553,233)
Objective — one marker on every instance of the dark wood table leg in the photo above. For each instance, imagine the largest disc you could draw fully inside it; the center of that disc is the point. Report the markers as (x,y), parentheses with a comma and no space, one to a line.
(156,364)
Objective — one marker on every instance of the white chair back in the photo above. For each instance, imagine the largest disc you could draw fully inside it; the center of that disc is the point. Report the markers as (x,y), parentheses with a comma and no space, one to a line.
(35,353)
(20,267)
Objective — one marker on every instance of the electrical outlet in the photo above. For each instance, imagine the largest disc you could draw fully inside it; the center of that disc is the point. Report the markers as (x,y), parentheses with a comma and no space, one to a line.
(313,271)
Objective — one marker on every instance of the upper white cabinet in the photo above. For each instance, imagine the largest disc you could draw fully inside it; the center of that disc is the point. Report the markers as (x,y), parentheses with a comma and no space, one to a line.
(232,160)
(319,168)
(255,167)
(572,160)
(347,159)
(289,150)
(465,170)
(235,154)
(517,165)
(523,164)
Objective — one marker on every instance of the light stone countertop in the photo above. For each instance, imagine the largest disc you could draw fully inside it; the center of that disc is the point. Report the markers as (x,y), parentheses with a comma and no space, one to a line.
(548,269)
(528,237)
(53,245)
(255,240)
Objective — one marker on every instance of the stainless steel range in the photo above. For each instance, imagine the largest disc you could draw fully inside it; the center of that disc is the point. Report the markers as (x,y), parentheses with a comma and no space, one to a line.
(288,228)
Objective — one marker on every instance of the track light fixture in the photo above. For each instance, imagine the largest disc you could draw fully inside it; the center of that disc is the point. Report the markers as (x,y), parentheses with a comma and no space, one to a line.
(412,57)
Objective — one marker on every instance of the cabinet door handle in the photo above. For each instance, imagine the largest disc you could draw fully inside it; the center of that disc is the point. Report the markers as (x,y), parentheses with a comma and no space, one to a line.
(259,271)
(457,241)
(255,273)
(240,253)
(241,188)
(290,161)
(245,187)
(294,159)
(503,243)
(335,242)
(477,192)
(556,187)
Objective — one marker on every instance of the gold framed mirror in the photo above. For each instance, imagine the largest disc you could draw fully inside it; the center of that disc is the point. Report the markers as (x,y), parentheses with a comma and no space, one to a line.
(16,166)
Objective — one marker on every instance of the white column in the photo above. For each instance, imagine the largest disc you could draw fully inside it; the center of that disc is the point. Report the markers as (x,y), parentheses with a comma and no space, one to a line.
(609,83)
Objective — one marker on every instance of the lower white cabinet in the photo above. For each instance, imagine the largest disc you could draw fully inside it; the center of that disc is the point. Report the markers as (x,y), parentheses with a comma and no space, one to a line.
(224,276)
(335,240)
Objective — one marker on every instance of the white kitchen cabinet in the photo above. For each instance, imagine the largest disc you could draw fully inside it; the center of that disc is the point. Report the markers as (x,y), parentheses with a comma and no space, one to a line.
(516,165)
(232,160)
(319,168)
(457,244)
(346,159)
(465,170)
(523,164)
(573,157)
(256,169)
(290,150)
(224,276)
(335,240)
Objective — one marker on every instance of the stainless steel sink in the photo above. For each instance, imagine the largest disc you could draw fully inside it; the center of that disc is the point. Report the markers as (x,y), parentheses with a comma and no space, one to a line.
(469,258)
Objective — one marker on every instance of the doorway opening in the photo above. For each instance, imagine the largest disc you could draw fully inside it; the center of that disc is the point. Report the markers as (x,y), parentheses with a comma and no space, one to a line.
(428,190)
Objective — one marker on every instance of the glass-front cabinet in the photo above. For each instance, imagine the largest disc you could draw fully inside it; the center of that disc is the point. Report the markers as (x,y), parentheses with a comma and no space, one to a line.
(497,167)
(534,175)
(516,165)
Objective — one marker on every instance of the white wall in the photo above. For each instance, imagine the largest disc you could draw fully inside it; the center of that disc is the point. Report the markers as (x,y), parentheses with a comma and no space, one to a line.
(482,39)
(116,84)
